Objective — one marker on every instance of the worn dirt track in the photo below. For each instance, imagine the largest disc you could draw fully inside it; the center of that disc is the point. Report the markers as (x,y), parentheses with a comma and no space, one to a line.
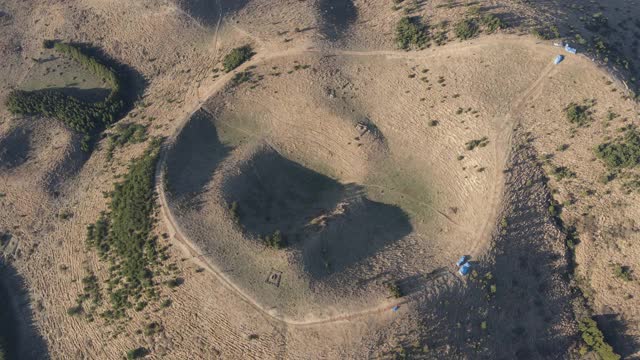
(506,118)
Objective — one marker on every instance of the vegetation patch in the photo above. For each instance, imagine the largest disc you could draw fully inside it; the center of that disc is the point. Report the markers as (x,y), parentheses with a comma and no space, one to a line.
(492,22)
(623,152)
(578,114)
(410,32)
(466,29)
(86,118)
(562,172)
(275,241)
(237,57)
(126,134)
(546,32)
(123,236)
(394,290)
(482,142)
(622,272)
(594,340)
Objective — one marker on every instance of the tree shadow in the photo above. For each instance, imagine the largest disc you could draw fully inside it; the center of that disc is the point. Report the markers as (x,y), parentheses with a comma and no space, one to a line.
(14,148)
(19,337)
(336,17)
(334,225)
(195,156)
(615,331)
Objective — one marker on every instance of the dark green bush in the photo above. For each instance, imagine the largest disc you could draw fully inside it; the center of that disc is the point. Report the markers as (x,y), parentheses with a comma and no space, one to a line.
(546,32)
(562,172)
(137,353)
(482,142)
(492,22)
(623,152)
(622,272)
(410,32)
(577,114)
(237,57)
(394,290)
(466,29)
(275,241)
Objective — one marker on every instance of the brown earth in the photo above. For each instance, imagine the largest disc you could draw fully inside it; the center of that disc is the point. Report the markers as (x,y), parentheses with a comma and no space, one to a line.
(305,123)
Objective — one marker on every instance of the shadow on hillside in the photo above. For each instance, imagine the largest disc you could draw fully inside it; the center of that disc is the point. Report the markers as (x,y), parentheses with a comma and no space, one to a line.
(334,225)
(528,314)
(208,12)
(195,156)
(337,16)
(14,148)
(18,334)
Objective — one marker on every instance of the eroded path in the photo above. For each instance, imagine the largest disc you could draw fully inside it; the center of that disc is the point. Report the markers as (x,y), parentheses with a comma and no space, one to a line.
(505,120)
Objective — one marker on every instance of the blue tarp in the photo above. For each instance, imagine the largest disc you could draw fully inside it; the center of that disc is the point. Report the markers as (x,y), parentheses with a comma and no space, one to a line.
(464,270)
(395,308)
(558,59)
(462,260)
(570,49)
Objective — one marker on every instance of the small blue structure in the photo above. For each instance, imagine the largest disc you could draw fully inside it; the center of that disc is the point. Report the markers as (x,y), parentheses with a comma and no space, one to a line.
(395,308)
(558,59)
(463,259)
(570,49)
(464,270)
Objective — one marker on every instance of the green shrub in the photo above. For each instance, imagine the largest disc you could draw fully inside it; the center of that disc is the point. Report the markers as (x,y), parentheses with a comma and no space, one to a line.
(137,353)
(562,172)
(482,142)
(394,290)
(546,32)
(623,152)
(74,310)
(275,241)
(492,22)
(152,328)
(237,57)
(622,272)
(594,340)
(466,29)
(577,114)
(124,134)
(410,32)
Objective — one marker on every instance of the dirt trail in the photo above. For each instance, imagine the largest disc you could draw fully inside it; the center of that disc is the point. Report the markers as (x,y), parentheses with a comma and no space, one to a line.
(482,240)
(504,138)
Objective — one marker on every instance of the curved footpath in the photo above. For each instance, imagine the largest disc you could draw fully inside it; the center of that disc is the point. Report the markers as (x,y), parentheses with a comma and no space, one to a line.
(483,237)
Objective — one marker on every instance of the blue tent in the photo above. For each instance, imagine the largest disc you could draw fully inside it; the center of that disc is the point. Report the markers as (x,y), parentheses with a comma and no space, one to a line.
(463,259)
(558,59)
(570,49)
(464,270)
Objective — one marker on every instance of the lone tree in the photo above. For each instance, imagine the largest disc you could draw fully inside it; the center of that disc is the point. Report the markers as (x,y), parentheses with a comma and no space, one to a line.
(237,57)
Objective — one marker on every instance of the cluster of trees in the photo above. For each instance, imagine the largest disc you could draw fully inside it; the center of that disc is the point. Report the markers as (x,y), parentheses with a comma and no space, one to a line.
(623,152)
(84,117)
(124,236)
(410,32)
